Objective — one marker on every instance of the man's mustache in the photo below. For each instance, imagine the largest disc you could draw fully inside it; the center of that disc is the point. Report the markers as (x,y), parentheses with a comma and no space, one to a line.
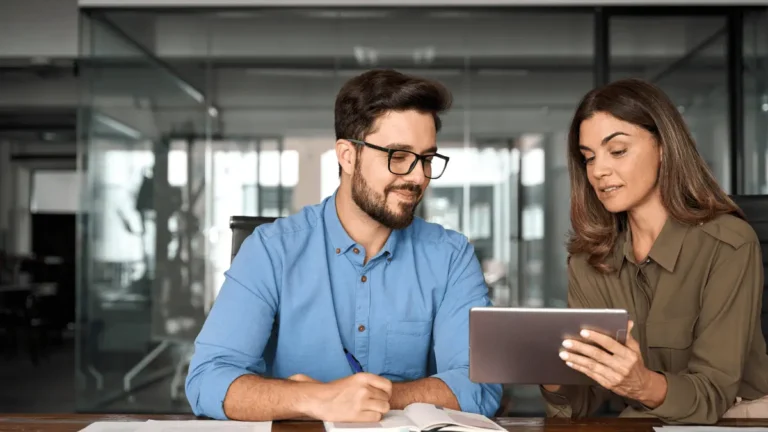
(408,187)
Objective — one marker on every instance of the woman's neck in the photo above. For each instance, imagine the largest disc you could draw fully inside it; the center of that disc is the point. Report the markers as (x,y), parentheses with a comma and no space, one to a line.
(645,223)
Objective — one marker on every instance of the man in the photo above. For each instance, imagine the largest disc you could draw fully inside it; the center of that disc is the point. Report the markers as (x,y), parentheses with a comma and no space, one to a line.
(352,307)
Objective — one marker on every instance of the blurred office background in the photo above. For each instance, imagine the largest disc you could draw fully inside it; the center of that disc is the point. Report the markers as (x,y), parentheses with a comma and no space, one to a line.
(129,136)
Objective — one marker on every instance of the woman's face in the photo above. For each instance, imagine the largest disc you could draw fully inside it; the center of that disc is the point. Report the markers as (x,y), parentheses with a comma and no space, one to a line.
(622,161)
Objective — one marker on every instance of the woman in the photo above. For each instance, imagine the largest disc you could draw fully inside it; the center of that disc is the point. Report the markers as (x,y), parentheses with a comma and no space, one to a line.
(654,234)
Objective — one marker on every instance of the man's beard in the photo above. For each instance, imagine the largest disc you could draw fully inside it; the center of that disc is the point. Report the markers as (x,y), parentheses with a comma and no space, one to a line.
(375,204)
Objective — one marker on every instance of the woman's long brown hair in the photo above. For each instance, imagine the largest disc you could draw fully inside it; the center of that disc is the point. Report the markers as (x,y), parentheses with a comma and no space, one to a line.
(689,191)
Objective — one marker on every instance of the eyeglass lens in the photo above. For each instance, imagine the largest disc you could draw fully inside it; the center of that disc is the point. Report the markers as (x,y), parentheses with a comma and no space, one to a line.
(401,162)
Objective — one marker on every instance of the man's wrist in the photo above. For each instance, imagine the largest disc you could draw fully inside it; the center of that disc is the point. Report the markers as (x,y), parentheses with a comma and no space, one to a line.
(308,395)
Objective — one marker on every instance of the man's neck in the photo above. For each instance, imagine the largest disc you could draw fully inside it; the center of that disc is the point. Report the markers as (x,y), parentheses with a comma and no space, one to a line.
(365,231)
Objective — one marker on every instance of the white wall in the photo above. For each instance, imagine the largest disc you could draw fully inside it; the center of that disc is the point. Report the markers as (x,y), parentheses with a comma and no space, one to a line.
(55,191)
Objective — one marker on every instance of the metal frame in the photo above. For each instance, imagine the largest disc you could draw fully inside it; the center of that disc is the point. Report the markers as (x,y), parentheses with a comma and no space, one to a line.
(735,55)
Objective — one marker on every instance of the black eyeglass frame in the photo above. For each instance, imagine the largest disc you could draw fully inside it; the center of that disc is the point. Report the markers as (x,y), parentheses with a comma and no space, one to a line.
(390,152)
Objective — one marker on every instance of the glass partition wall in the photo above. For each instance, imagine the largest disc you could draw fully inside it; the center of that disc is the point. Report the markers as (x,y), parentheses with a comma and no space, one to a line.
(191,117)
(755,51)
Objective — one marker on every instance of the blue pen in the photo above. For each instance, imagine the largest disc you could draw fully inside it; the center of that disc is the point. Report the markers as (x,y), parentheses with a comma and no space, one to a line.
(353,363)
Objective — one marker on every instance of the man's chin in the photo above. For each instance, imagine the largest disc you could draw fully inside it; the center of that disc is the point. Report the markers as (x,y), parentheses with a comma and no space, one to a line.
(402,210)
(402,220)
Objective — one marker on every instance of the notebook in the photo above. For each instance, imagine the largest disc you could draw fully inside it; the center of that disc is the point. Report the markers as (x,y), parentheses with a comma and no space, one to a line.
(421,417)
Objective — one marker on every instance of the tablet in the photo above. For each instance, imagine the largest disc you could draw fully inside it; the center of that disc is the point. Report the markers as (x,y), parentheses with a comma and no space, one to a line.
(522,345)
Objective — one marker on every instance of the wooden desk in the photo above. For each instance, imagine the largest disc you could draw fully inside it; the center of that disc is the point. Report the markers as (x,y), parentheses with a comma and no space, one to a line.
(75,422)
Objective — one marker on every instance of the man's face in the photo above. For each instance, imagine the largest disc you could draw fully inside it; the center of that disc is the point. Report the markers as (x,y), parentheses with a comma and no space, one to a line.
(387,198)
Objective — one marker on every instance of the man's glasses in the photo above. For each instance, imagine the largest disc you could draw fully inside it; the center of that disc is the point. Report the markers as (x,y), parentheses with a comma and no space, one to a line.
(402,162)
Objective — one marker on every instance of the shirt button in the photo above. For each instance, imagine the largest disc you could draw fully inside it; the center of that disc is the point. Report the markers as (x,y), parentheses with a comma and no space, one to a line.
(356,250)
(361,328)
(338,250)
(363,278)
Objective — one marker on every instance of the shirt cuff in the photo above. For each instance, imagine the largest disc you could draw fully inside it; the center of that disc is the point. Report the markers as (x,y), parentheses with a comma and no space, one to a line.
(213,392)
(679,389)
(473,397)
(558,404)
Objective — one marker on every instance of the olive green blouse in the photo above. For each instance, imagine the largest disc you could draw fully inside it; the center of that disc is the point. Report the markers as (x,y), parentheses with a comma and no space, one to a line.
(696,305)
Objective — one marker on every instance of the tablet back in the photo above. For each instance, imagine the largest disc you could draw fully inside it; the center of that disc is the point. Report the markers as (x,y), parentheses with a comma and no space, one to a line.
(522,345)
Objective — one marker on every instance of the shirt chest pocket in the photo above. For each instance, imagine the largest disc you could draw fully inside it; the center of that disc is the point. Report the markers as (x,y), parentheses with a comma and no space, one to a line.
(670,342)
(407,349)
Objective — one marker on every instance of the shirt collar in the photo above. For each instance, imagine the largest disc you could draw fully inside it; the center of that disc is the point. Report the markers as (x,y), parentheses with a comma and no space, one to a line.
(665,250)
(341,241)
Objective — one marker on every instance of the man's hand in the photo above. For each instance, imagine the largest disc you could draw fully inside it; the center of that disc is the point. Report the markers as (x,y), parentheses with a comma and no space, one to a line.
(362,397)
(303,378)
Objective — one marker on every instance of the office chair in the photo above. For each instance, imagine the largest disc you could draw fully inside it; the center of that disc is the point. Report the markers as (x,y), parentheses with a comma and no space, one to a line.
(242,227)
(755,208)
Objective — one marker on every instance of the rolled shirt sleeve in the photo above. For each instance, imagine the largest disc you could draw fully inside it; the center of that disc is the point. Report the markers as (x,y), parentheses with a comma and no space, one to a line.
(232,340)
(466,289)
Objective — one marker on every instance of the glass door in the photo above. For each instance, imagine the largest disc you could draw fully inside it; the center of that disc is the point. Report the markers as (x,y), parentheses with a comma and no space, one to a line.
(756,102)
(142,240)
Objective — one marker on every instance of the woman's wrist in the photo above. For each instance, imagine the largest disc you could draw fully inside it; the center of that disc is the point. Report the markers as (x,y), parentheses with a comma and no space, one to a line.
(656,390)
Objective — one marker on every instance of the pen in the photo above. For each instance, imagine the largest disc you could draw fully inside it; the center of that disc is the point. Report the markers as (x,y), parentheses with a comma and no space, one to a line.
(353,363)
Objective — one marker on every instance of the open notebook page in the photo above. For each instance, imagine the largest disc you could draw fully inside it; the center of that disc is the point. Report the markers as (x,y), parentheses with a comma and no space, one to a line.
(427,416)
(394,420)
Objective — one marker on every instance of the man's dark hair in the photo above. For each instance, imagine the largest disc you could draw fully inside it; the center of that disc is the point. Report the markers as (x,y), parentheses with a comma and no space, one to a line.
(365,97)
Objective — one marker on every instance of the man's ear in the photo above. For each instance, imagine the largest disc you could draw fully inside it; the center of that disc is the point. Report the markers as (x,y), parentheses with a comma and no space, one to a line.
(346,154)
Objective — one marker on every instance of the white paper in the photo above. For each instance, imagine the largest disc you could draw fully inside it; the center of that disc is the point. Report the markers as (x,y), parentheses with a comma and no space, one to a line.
(203,425)
(709,429)
(113,426)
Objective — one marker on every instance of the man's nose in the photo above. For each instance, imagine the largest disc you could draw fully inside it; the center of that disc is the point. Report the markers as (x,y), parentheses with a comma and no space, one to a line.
(417,174)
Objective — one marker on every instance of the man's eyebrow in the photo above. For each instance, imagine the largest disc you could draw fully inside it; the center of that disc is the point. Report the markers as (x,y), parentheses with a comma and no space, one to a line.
(398,146)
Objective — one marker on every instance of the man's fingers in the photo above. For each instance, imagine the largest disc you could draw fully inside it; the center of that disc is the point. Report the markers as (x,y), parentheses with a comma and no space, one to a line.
(377,382)
(302,378)
(376,405)
(369,417)
(379,394)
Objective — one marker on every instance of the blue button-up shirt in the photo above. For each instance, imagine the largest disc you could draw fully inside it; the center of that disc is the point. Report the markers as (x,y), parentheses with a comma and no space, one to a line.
(298,292)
